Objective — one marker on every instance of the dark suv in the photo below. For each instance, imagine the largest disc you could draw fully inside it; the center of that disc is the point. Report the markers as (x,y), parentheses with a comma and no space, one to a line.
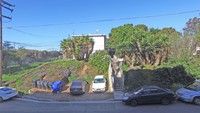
(77,87)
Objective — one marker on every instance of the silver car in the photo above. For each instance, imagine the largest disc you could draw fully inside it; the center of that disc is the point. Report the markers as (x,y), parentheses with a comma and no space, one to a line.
(7,93)
(190,93)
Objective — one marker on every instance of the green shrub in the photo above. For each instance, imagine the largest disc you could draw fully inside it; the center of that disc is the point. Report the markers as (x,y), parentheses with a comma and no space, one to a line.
(100,60)
(192,66)
(88,79)
(73,77)
(176,86)
(125,67)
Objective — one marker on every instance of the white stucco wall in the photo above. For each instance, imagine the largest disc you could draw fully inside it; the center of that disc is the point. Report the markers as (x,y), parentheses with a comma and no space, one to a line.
(99,43)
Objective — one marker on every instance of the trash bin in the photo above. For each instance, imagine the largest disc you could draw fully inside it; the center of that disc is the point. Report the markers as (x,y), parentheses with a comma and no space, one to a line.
(56,86)
(45,84)
(38,84)
(34,83)
(49,85)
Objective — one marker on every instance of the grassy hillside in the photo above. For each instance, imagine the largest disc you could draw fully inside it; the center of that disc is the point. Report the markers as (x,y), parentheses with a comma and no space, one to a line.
(51,71)
(21,77)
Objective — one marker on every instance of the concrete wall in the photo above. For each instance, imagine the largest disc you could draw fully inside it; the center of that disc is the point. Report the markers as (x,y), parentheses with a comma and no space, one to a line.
(99,43)
(110,78)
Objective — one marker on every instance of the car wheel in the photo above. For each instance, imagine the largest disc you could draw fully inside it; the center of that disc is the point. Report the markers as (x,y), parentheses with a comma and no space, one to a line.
(197,100)
(133,103)
(1,99)
(165,101)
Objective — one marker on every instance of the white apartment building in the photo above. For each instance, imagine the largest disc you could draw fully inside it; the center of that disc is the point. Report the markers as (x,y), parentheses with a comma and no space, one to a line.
(99,41)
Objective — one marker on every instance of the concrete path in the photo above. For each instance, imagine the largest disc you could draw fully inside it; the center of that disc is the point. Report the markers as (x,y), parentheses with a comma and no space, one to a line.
(118,95)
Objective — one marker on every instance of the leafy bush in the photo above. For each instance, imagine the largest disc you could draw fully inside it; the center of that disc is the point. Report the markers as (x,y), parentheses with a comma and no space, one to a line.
(124,67)
(192,65)
(100,60)
(137,78)
(73,77)
(88,79)
(166,77)
(176,86)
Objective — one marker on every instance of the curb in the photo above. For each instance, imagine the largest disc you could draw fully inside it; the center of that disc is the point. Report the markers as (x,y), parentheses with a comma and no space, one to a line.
(38,100)
(66,102)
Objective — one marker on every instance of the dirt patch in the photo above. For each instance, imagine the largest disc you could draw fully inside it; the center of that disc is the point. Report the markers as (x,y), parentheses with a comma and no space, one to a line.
(86,70)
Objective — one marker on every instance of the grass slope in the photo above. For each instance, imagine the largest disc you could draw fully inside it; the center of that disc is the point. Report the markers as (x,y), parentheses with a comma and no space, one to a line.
(22,79)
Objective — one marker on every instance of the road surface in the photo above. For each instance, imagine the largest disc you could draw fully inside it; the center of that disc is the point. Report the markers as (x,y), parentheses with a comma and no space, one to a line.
(21,106)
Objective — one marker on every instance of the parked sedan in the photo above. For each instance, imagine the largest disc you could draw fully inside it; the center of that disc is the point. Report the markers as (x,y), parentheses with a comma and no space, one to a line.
(77,87)
(7,93)
(149,94)
(190,93)
(99,84)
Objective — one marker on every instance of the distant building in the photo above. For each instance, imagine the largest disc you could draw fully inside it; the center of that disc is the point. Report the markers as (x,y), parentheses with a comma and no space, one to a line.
(99,41)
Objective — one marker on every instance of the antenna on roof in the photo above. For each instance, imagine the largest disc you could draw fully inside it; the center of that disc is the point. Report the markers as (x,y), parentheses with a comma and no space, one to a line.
(97,31)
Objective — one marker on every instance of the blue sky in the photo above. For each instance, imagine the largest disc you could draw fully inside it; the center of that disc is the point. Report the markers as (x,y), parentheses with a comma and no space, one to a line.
(42,24)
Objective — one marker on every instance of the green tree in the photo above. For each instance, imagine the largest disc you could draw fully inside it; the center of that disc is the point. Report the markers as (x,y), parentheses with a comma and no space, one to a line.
(8,53)
(22,55)
(79,47)
(139,45)
(7,46)
(8,57)
(192,29)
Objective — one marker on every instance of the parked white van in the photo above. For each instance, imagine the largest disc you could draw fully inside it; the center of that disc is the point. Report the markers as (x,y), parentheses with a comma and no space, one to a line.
(99,84)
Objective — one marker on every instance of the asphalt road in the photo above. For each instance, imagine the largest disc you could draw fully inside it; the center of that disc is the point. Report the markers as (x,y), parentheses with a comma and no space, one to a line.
(21,106)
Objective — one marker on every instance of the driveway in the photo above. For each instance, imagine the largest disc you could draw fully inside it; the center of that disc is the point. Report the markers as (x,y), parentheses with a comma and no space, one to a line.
(66,96)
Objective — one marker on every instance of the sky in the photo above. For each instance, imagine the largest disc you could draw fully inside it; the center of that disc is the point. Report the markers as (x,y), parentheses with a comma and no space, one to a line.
(43,24)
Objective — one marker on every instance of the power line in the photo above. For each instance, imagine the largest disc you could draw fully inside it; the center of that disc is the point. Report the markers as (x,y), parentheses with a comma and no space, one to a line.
(32,45)
(27,33)
(107,20)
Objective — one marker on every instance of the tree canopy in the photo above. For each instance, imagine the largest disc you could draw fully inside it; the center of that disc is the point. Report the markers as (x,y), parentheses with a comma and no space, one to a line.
(79,47)
(140,45)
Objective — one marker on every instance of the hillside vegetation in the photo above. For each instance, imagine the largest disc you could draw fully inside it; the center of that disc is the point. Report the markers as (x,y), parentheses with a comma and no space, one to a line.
(143,47)
(55,70)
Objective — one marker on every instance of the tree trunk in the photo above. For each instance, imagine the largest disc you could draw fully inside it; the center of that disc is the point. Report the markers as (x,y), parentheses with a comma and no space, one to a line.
(140,55)
(148,61)
(158,59)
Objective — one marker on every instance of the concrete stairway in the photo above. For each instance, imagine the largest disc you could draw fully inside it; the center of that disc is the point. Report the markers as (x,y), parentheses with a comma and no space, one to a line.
(118,84)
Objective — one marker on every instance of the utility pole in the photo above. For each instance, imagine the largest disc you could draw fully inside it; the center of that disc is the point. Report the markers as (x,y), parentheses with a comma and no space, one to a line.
(0,44)
(1,15)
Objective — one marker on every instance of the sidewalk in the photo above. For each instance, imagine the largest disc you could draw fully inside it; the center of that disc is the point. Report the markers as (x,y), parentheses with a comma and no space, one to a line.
(65,97)
(28,97)
(118,95)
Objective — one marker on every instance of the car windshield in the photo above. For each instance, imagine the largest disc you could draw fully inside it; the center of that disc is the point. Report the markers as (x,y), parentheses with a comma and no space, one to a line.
(99,80)
(194,86)
(76,83)
(137,91)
